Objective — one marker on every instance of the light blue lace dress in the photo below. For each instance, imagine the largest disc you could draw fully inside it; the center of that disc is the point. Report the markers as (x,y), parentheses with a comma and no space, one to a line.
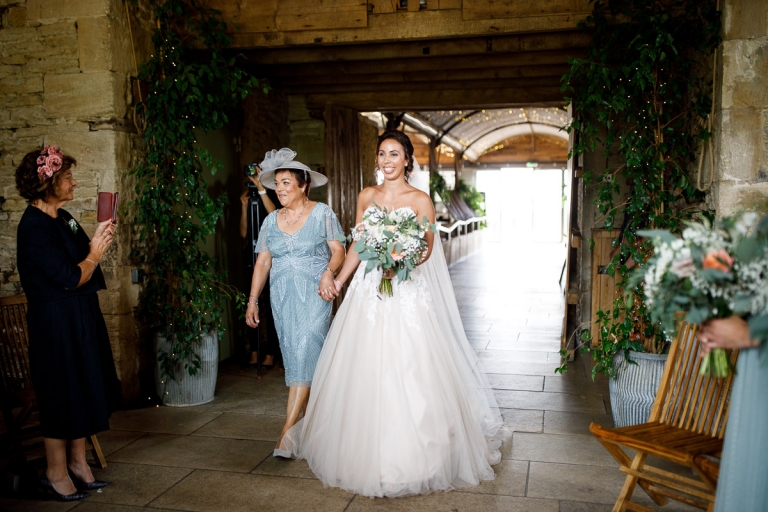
(301,317)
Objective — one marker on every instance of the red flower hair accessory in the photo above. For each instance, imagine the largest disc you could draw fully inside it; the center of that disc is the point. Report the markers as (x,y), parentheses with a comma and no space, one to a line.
(50,160)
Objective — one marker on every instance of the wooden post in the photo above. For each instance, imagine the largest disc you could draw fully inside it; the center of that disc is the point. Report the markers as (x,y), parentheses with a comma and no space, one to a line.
(458,165)
(342,162)
(432,157)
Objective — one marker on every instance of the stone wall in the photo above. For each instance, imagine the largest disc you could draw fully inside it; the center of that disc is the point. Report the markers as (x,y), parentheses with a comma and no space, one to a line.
(65,72)
(741,118)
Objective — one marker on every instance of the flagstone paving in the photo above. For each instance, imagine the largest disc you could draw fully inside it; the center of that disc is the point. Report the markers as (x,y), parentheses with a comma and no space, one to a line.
(217,457)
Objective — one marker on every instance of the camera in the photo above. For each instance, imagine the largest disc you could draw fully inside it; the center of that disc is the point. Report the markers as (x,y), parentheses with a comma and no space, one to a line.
(251,169)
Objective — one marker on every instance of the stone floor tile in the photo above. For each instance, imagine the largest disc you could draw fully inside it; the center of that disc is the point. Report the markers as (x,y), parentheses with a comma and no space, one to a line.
(588,484)
(281,467)
(559,448)
(523,420)
(112,440)
(244,403)
(195,452)
(575,506)
(520,382)
(539,345)
(453,502)
(41,503)
(88,506)
(213,491)
(517,356)
(258,427)
(532,335)
(272,382)
(592,484)
(574,382)
(477,327)
(557,422)
(511,479)
(519,368)
(161,420)
(136,484)
(550,401)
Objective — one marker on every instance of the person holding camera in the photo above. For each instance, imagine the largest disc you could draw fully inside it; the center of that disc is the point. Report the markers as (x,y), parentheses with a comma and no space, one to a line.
(265,205)
(70,357)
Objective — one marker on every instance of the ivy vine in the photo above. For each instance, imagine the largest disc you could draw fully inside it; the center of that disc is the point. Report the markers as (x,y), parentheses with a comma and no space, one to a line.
(642,93)
(193,83)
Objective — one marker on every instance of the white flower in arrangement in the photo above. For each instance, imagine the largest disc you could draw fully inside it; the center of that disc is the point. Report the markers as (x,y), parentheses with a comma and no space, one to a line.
(73,225)
(715,270)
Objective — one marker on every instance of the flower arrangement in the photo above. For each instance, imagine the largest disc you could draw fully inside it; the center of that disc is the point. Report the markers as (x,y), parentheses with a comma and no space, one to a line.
(391,241)
(714,270)
(72,223)
(50,160)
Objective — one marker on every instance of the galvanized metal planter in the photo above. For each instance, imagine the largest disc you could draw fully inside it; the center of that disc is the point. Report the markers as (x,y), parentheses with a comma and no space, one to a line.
(634,389)
(188,390)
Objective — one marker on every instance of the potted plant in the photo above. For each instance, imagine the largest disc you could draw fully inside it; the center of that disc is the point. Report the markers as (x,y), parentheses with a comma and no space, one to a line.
(193,84)
(642,92)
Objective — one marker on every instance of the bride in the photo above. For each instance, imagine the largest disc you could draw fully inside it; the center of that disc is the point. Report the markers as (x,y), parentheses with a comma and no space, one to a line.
(399,405)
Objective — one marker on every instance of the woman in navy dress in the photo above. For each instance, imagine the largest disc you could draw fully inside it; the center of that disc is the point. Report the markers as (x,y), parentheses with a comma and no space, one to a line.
(70,357)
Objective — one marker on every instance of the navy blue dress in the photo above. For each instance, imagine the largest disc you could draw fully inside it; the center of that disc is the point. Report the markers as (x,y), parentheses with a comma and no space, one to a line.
(73,372)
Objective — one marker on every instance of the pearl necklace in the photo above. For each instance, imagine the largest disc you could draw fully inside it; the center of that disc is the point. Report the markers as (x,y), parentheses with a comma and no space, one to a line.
(285,215)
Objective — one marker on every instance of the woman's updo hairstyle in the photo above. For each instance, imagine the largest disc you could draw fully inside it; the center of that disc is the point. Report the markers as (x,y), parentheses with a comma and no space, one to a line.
(404,141)
(33,185)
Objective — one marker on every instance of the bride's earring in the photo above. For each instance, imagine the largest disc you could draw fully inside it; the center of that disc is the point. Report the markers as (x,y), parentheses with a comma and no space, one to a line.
(378,176)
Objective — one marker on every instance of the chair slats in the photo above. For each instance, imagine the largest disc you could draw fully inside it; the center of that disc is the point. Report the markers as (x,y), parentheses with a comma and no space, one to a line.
(686,426)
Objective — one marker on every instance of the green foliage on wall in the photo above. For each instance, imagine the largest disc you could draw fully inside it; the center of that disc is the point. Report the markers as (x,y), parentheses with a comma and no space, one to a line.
(193,84)
(643,92)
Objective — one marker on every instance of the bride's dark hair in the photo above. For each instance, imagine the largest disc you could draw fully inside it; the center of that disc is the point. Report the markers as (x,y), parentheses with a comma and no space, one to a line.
(404,141)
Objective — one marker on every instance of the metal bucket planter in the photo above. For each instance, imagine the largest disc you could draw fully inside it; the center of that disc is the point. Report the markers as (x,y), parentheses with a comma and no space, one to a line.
(634,389)
(188,390)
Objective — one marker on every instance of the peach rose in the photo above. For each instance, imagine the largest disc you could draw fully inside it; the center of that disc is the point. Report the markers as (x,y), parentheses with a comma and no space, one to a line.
(718,260)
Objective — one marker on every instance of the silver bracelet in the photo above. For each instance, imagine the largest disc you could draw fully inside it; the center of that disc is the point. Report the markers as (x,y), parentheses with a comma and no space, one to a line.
(331,271)
(93,262)
(262,192)
(253,303)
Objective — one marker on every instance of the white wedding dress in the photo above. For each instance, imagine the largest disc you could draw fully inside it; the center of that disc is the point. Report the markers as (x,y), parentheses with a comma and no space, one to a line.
(398,404)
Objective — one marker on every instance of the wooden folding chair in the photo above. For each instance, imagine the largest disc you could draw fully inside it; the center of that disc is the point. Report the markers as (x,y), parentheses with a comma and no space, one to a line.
(686,426)
(17,396)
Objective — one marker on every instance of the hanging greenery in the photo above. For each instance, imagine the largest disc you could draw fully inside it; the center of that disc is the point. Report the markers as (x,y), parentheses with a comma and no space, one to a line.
(193,84)
(643,93)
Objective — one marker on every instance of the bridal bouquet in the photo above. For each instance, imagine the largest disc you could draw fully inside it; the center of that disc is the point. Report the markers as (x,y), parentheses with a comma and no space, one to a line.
(391,241)
(712,271)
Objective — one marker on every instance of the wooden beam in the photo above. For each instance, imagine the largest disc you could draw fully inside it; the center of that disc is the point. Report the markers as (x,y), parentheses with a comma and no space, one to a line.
(300,15)
(403,25)
(439,64)
(500,9)
(424,49)
(442,99)
(556,70)
(311,88)
(248,15)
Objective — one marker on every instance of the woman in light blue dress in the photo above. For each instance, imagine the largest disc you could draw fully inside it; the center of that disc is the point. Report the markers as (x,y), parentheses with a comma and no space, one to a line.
(299,252)
(743,482)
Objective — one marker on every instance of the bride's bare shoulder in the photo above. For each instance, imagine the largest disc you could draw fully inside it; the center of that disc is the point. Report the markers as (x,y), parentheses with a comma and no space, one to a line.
(366,193)
(421,200)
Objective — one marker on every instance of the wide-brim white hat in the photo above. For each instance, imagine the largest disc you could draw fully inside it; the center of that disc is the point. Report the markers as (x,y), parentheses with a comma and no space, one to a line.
(275,161)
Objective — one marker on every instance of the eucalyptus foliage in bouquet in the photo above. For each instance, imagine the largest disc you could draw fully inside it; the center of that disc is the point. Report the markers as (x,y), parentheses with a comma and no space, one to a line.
(391,241)
(712,271)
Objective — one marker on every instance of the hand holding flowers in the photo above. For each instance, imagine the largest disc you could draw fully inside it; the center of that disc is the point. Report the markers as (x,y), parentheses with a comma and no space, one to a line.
(711,272)
(390,241)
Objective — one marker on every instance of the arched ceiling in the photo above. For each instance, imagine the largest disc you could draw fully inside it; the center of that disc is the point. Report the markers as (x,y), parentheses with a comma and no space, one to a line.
(480,131)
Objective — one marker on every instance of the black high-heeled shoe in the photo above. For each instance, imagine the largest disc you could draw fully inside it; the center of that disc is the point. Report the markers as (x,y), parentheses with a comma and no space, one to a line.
(86,486)
(75,496)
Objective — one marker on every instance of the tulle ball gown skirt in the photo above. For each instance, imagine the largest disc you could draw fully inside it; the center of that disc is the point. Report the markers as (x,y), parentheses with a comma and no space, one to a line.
(398,406)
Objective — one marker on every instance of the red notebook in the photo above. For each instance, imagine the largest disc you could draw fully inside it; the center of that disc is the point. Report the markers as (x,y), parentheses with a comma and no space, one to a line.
(107,207)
